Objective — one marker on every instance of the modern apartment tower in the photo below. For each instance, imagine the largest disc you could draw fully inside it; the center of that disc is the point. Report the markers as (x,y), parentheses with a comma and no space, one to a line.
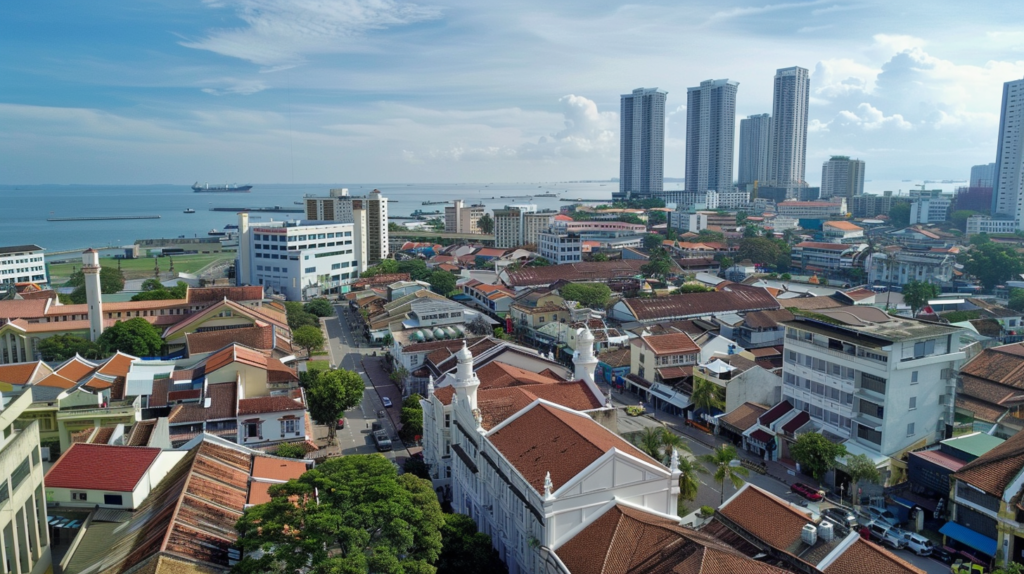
(842,177)
(642,146)
(788,161)
(1007,187)
(369,213)
(755,146)
(710,135)
(982,175)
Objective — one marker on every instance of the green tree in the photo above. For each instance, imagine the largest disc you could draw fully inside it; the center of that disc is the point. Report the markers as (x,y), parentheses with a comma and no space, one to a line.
(63,347)
(1011,568)
(741,218)
(722,459)
(416,268)
(707,396)
(590,295)
(385,267)
(899,215)
(499,333)
(751,231)
(466,551)
(310,338)
(416,467)
(111,281)
(349,514)
(816,454)
(992,264)
(297,315)
(692,288)
(134,337)
(659,442)
(1016,300)
(398,375)
(759,250)
(689,482)
(786,277)
(918,293)
(657,218)
(153,290)
(319,308)
(486,224)
(599,257)
(725,262)
(707,235)
(442,282)
(652,240)
(411,418)
(860,468)
(959,218)
(289,450)
(330,393)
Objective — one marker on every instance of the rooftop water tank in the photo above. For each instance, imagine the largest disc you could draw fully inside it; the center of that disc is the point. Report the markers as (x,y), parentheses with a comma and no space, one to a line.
(809,534)
(826,531)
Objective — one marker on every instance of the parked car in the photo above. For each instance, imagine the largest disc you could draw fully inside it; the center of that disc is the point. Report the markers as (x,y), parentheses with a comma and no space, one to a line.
(805,491)
(386,401)
(942,555)
(880,514)
(341,423)
(840,516)
(884,533)
(918,544)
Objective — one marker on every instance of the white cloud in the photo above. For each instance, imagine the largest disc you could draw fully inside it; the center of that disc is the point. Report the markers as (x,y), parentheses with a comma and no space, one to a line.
(871,118)
(756,10)
(587,132)
(842,76)
(233,87)
(279,34)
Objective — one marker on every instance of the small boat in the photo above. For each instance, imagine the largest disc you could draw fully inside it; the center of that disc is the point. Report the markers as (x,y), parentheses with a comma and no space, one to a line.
(215,233)
(190,210)
(230,226)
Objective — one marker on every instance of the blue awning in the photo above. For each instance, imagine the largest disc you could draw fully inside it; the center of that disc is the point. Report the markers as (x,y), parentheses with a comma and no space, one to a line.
(965,535)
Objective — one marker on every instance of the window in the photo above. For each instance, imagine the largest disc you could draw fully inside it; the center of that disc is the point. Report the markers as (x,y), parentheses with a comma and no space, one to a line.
(79,496)
(910,429)
(913,377)
(447,420)
(913,403)
(289,426)
(114,499)
(252,430)
(310,270)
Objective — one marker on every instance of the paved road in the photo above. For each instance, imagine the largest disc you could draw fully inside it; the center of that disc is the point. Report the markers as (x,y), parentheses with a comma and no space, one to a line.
(346,351)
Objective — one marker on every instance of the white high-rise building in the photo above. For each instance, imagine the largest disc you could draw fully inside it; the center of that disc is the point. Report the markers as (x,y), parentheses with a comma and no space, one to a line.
(788,160)
(642,144)
(462,218)
(755,143)
(982,175)
(369,214)
(1009,181)
(710,135)
(842,177)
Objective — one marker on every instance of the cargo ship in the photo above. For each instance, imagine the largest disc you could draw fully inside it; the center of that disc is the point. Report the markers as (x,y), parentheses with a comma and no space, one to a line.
(207,188)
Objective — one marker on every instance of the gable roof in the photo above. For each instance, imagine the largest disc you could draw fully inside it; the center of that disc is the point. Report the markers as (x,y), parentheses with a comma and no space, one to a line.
(994,470)
(733,298)
(223,404)
(863,556)
(772,521)
(208,294)
(258,315)
(744,416)
(22,373)
(255,337)
(272,404)
(670,343)
(582,271)
(101,467)
(545,438)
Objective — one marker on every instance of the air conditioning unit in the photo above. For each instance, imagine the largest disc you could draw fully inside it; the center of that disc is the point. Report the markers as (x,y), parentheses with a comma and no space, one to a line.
(809,534)
(826,531)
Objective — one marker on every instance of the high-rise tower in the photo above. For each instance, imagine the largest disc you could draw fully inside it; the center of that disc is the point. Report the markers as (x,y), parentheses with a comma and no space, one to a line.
(788,160)
(755,139)
(1008,187)
(710,135)
(842,177)
(642,145)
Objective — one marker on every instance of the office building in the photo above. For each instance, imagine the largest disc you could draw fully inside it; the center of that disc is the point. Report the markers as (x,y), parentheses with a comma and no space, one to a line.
(870,205)
(642,143)
(842,177)
(984,224)
(369,214)
(884,382)
(788,159)
(755,145)
(23,522)
(684,221)
(22,264)
(300,259)
(929,205)
(710,135)
(900,266)
(824,210)
(560,247)
(462,218)
(982,175)
(1009,179)
(517,225)
(733,199)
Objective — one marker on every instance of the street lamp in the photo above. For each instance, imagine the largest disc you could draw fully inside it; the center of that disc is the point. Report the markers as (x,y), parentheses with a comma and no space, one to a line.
(842,489)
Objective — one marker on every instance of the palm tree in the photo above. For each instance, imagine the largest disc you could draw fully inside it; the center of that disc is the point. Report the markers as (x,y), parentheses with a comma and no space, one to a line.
(707,396)
(671,441)
(659,442)
(722,459)
(688,482)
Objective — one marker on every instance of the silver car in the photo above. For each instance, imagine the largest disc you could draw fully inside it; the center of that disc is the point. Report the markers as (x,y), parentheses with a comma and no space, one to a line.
(881,515)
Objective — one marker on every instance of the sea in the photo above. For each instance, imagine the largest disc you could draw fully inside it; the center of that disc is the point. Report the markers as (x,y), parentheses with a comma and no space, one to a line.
(24,209)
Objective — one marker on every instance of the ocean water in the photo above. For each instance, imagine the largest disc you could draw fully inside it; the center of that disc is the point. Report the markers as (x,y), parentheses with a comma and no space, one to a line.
(24,209)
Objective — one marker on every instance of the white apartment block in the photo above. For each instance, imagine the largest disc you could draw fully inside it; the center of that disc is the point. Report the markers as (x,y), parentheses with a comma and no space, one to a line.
(25,547)
(22,264)
(337,206)
(984,224)
(886,383)
(692,200)
(813,209)
(560,247)
(902,266)
(462,218)
(1008,187)
(509,470)
(929,206)
(369,214)
(733,199)
(299,259)
(683,221)
(642,141)
(842,177)
(517,225)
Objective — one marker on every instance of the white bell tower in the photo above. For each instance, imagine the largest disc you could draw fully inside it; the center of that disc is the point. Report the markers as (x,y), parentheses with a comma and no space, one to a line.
(466,382)
(93,293)
(584,359)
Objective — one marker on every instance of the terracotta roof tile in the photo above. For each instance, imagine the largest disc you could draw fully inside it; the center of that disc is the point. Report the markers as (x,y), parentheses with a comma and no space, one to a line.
(88,467)
(994,470)
(259,337)
(222,406)
(583,271)
(497,405)
(141,433)
(863,556)
(264,405)
(117,365)
(671,344)
(734,298)
(765,517)
(548,439)
(615,357)
(767,319)
(21,373)
(744,416)
(75,368)
(277,468)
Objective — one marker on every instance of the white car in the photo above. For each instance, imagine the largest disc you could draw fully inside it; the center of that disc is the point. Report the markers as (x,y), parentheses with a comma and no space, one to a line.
(386,401)
(918,544)
(883,533)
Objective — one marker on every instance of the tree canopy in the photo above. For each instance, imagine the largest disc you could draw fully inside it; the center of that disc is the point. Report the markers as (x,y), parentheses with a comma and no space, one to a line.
(918,293)
(111,281)
(899,215)
(416,269)
(385,267)
(816,454)
(330,393)
(466,551)
(721,459)
(442,282)
(65,346)
(153,290)
(992,263)
(692,288)
(1016,300)
(652,240)
(297,315)
(349,514)
(659,264)
(485,223)
(590,295)
(134,336)
(319,308)
(309,337)
(759,250)
(411,418)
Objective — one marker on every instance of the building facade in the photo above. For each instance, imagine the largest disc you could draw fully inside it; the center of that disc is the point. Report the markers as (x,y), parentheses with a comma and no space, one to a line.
(788,160)
(755,138)
(902,266)
(23,521)
(462,218)
(984,224)
(710,135)
(1009,173)
(22,264)
(982,175)
(842,177)
(929,206)
(369,214)
(642,142)
(869,205)
(560,247)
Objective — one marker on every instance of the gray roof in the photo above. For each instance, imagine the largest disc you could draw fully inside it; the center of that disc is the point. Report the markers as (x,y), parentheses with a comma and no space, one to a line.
(19,248)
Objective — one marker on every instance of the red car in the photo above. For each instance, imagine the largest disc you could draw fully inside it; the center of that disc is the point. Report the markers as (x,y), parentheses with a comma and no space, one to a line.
(341,423)
(805,491)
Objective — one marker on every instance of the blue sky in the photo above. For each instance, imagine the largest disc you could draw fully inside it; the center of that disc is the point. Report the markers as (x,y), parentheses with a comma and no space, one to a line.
(459,91)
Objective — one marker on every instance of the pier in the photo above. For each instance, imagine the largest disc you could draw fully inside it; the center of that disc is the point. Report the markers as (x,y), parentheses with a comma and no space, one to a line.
(275,209)
(103,218)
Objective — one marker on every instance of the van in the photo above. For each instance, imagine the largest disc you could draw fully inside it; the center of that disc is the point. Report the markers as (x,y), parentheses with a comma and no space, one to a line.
(918,544)
(882,532)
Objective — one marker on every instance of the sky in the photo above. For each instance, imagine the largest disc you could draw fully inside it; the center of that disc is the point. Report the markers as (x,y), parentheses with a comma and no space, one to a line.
(430,91)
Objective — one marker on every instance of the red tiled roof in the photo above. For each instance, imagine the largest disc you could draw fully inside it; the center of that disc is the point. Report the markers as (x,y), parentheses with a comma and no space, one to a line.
(263,405)
(940,458)
(188,394)
(761,436)
(844,225)
(118,365)
(583,271)
(497,405)
(775,413)
(75,368)
(796,422)
(101,467)
(23,309)
(210,294)
(863,556)
(671,344)
(21,373)
(222,406)
(547,439)
(744,416)
(765,517)
(994,470)
(732,299)
(257,337)
(55,380)
(277,468)
(825,246)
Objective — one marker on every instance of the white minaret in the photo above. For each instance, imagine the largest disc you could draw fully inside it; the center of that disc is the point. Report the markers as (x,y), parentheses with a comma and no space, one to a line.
(466,382)
(243,270)
(93,297)
(584,359)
